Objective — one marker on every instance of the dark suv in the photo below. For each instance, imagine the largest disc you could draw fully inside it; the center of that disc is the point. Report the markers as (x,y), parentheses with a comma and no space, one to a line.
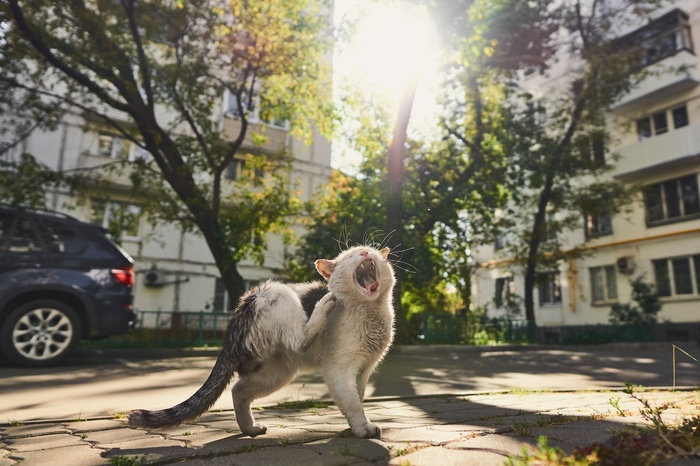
(60,280)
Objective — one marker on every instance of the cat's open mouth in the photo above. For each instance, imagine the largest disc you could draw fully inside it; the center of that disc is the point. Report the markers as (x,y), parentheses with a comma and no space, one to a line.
(367,276)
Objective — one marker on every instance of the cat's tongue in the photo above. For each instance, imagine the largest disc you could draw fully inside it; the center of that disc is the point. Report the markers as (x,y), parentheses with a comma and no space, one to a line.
(370,285)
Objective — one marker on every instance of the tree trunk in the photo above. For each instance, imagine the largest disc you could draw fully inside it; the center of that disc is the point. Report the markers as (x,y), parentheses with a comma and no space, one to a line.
(394,203)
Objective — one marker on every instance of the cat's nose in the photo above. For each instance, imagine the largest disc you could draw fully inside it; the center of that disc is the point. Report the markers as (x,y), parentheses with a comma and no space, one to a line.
(364,254)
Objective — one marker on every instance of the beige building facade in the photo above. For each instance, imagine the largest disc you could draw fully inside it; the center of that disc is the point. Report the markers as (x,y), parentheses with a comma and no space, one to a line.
(657,132)
(174,269)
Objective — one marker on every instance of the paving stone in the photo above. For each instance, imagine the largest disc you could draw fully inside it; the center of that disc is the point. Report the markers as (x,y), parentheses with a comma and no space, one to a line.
(34,429)
(431,456)
(66,456)
(426,434)
(119,435)
(43,442)
(98,424)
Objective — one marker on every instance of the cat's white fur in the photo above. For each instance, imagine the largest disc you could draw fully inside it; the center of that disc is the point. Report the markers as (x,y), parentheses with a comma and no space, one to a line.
(270,339)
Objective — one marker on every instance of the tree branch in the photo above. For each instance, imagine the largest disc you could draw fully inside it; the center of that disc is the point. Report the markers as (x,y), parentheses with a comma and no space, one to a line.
(46,52)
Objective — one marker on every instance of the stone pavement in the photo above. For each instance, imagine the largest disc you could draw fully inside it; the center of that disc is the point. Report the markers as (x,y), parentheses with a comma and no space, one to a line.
(473,429)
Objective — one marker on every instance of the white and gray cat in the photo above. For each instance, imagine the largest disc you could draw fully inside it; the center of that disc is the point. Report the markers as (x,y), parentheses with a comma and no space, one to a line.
(344,327)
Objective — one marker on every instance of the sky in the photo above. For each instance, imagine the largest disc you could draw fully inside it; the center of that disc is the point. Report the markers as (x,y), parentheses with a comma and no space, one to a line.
(389,43)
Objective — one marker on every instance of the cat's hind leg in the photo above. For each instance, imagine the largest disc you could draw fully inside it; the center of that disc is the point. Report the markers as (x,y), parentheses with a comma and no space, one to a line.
(272,375)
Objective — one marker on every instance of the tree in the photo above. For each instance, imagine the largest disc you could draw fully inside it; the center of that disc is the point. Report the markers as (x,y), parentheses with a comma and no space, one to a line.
(561,164)
(154,72)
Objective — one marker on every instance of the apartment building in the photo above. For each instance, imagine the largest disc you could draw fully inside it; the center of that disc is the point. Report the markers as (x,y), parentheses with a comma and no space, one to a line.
(174,269)
(657,129)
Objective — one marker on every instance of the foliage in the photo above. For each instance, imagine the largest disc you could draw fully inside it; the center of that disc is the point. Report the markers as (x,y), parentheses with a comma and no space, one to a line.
(644,307)
(24,182)
(559,163)
(657,443)
(153,73)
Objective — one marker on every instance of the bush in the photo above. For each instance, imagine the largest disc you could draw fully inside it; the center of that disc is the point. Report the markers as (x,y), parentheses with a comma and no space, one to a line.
(644,307)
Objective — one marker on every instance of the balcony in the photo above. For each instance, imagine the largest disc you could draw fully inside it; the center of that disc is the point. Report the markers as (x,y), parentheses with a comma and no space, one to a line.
(676,148)
(275,137)
(665,49)
(673,75)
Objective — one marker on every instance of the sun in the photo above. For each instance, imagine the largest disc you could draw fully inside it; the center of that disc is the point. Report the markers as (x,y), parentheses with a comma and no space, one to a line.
(391,42)
(388,44)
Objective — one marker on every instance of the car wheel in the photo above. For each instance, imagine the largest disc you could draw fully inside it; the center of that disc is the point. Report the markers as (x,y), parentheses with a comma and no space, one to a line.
(40,333)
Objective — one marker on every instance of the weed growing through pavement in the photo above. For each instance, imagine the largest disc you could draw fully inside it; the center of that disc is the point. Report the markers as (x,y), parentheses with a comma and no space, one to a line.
(615,403)
(14,422)
(522,428)
(127,460)
(303,404)
(656,443)
(345,451)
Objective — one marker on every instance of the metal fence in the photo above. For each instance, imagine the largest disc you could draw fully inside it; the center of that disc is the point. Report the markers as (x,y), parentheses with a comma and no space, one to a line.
(466,329)
(161,329)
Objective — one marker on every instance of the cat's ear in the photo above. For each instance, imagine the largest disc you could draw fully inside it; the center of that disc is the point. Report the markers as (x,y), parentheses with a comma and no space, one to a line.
(325,267)
(385,253)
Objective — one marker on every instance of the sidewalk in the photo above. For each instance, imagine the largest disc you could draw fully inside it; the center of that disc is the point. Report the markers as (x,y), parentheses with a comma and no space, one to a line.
(473,429)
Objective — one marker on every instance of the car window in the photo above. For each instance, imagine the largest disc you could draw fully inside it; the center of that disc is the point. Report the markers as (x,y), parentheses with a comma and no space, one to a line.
(60,238)
(6,221)
(23,238)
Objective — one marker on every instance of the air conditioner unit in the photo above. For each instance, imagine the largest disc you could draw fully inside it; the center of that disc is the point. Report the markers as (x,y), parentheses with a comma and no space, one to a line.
(626,265)
(155,277)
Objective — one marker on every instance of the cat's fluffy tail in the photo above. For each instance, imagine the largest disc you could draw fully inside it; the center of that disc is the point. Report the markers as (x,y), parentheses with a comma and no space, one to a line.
(234,357)
(194,406)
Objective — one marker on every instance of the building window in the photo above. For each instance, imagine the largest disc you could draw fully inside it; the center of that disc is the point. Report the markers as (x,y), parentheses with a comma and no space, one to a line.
(592,148)
(671,200)
(680,116)
(112,146)
(117,147)
(549,288)
(661,38)
(677,276)
(121,220)
(499,242)
(656,124)
(505,292)
(603,284)
(252,112)
(598,223)
(234,169)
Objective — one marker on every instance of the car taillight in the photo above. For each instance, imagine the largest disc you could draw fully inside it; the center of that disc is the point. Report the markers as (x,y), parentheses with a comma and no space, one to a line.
(125,275)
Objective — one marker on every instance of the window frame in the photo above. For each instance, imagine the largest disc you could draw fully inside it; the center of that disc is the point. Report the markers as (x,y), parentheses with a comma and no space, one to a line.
(606,272)
(504,292)
(549,285)
(667,285)
(107,211)
(670,202)
(648,127)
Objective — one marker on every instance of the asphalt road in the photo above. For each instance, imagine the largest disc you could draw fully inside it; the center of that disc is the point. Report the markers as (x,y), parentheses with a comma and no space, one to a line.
(96,384)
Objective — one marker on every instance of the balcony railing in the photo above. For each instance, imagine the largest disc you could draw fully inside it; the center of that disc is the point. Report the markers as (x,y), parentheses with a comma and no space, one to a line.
(664,46)
(673,148)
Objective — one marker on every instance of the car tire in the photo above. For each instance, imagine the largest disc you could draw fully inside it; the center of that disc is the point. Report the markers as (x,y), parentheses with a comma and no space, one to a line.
(40,333)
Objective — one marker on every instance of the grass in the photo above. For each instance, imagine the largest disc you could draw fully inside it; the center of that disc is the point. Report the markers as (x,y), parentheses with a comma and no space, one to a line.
(127,460)
(656,443)
(303,404)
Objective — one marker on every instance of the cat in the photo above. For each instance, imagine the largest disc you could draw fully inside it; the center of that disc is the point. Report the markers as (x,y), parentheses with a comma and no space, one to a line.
(343,326)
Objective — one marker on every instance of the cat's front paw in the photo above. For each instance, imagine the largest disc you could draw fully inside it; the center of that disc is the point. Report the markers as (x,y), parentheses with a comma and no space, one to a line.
(255,430)
(327,303)
(368,430)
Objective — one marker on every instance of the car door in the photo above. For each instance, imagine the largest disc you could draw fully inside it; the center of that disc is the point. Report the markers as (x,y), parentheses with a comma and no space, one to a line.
(22,252)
